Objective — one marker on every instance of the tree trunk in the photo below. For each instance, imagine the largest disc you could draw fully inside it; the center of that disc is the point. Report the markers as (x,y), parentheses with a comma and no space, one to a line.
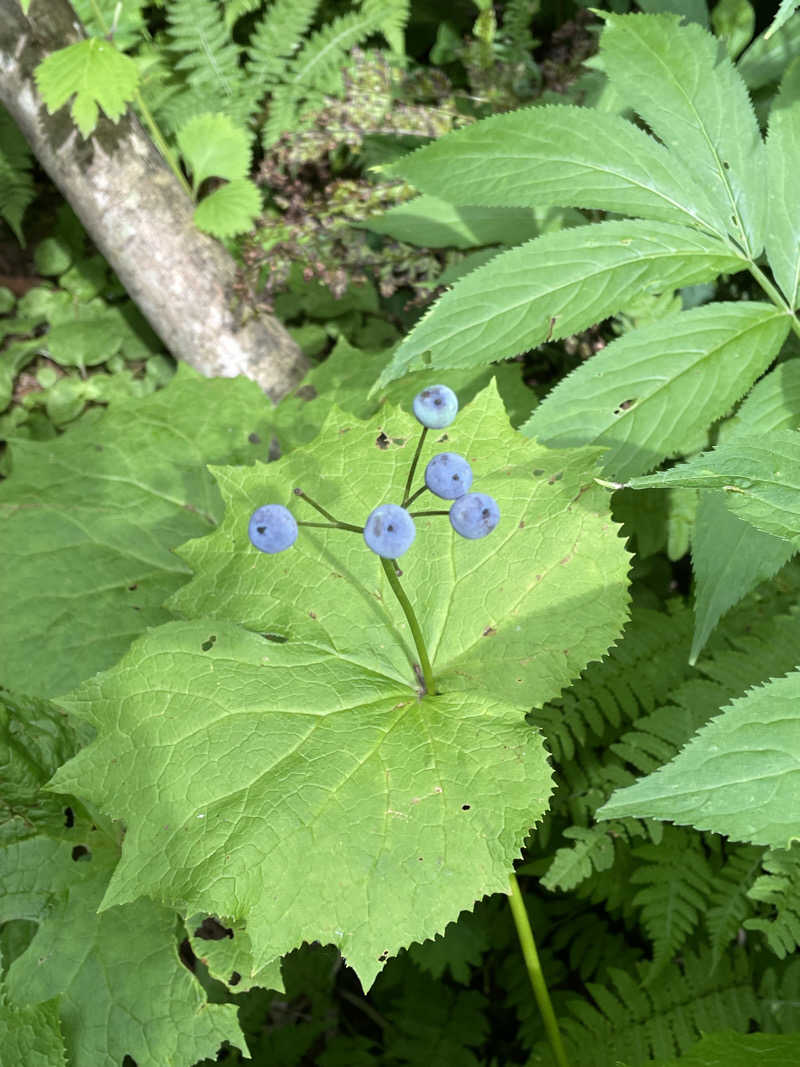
(135,211)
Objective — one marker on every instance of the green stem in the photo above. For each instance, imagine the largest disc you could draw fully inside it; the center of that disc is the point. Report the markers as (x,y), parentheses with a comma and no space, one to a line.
(534,968)
(325,514)
(152,125)
(410,499)
(332,526)
(161,144)
(774,294)
(414,462)
(405,604)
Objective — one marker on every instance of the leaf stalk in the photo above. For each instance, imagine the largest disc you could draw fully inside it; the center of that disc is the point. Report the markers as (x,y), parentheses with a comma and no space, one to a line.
(405,604)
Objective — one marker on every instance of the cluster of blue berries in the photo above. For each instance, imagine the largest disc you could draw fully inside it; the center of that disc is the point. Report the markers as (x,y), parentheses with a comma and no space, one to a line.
(389,530)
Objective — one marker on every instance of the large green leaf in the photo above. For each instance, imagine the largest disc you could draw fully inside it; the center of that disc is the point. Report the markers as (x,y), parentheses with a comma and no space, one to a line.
(383,814)
(738,776)
(729,1049)
(729,556)
(339,381)
(303,792)
(685,87)
(35,738)
(31,1035)
(650,391)
(122,988)
(518,613)
(783,182)
(561,155)
(554,286)
(761,479)
(438,223)
(89,521)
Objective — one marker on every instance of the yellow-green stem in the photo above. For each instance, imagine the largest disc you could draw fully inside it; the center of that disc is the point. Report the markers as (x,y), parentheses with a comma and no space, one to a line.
(534,968)
(416,632)
(774,294)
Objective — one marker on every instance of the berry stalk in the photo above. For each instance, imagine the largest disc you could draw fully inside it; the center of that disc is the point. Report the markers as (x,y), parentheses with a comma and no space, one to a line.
(414,463)
(405,604)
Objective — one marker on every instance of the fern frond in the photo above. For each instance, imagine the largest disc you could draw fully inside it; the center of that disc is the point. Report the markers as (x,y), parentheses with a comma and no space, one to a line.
(677,878)
(16,182)
(208,57)
(649,662)
(317,70)
(275,39)
(234,9)
(728,903)
(391,17)
(593,849)
(635,1022)
(780,889)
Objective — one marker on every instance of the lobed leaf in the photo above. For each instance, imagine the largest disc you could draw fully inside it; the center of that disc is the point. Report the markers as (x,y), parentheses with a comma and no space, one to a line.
(783,179)
(120,985)
(214,147)
(739,775)
(229,210)
(370,817)
(96,74)
(565,156)
(644,395)
(90,520)
(761,480)
(492,620)
(552,287)
(692,97)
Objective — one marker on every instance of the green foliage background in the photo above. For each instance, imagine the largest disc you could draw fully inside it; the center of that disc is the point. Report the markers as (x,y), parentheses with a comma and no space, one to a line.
(228,821)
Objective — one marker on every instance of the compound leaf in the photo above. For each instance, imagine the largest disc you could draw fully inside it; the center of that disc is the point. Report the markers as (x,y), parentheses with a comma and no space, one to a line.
(761,479)
(90,519)
(681,82)
(435,223)
(783,178)
(96,73)
(647,393)
(560,155)
(738,776)
(554,286)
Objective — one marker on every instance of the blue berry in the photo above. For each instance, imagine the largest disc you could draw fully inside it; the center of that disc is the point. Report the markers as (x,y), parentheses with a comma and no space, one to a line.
(389,531)
(272,528)
(436,406)
(474,515)
(448,475)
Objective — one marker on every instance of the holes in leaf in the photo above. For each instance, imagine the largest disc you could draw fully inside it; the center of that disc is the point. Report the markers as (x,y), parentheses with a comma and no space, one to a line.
(81,852)
(726,164)
(444,437)
(383,956)
(254,439)
(382,441)
(186,955)
(555,478)
(538,472)
(129,1061)
(235,978)
(626,405)
(206,645)
(465,807)
(277,639)
(211,929)
(69,818)
(489,631)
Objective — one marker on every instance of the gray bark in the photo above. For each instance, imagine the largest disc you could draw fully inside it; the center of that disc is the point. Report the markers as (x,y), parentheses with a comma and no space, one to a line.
(135,211)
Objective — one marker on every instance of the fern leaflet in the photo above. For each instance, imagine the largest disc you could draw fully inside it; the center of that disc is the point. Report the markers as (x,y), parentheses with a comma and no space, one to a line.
(780,889)
(16,182)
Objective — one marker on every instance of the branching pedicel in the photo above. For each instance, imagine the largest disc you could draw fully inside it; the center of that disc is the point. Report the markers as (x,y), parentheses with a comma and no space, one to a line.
(389,530)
